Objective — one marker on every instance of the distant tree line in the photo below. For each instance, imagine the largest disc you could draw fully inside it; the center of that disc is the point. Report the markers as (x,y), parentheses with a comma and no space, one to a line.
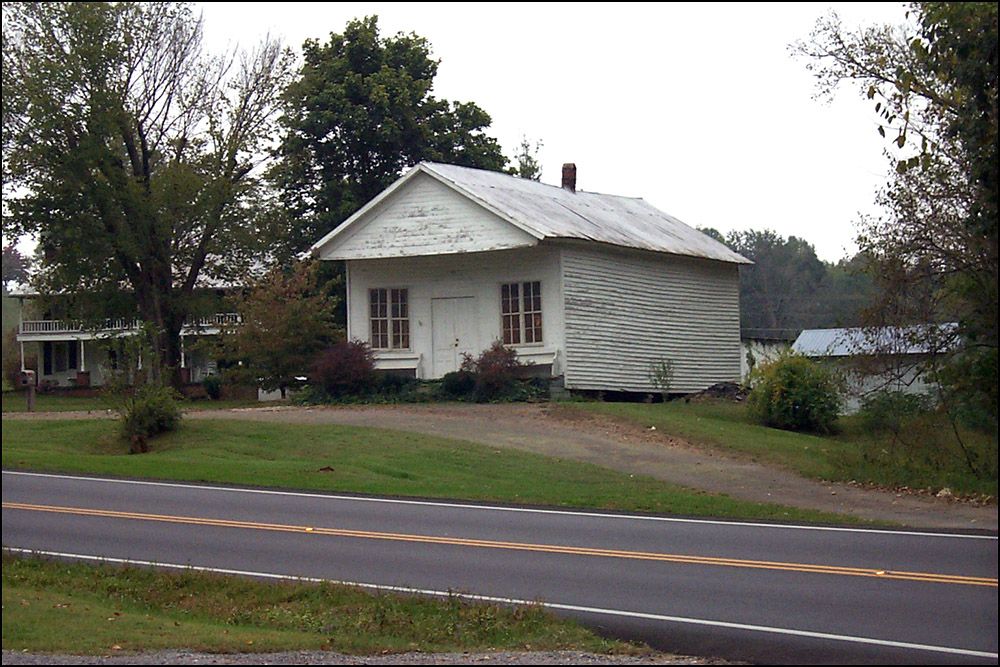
(788,288)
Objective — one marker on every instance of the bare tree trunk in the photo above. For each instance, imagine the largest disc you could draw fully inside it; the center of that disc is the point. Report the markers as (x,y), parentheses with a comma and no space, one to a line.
(158,308)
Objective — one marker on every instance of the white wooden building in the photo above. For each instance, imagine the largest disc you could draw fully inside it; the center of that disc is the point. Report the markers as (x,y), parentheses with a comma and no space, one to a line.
(589,287)
(873,360)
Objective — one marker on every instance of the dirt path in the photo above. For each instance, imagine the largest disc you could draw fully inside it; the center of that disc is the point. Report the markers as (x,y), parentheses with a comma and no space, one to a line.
(545,429)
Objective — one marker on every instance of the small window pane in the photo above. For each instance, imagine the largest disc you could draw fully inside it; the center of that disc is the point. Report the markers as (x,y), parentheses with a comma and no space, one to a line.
(390,324)
(521,312)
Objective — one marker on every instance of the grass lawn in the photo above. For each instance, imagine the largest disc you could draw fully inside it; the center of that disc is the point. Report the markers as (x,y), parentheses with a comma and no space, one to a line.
(100,610)
(361,460)
(14,401)
(839,457)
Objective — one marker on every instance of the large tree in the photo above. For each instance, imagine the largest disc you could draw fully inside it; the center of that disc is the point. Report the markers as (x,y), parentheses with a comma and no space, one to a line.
(361,111)
(131,154)
(933,82)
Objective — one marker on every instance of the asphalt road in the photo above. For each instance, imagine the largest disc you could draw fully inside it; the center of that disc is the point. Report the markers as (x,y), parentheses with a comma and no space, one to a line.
(744,591)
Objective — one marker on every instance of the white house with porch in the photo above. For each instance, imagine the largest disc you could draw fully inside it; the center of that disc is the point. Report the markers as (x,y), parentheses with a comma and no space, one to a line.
(591,288)
(72,353)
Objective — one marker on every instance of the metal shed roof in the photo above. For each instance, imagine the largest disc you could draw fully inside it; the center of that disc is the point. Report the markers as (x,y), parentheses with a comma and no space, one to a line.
(884,340)
(549,211)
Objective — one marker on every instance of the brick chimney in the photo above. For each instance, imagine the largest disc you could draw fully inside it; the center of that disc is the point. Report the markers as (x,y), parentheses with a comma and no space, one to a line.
(569,177)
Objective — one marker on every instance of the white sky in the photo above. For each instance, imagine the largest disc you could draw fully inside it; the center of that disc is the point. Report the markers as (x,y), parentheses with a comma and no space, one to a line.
(697,108)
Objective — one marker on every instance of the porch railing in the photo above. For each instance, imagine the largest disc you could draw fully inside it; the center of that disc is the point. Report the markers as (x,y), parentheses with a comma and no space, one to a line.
(38,327)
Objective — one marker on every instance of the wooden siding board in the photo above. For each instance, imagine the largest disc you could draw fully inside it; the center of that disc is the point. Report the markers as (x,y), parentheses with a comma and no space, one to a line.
(624,311)
(427,218)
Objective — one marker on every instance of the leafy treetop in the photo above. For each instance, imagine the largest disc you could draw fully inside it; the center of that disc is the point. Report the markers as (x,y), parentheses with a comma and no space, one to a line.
(361,111)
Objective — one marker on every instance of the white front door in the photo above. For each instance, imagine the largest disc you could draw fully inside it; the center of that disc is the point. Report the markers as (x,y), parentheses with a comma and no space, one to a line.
(454,331)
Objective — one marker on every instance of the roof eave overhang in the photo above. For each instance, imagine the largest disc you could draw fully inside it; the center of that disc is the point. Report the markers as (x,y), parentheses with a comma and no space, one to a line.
(577,241)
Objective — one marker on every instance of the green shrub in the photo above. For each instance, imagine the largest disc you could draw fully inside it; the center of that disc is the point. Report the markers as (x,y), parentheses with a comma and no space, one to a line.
(213,386)
(147,411)
(458,384)
(906,432)
(394,384)
(888,411)
(530,389)
(796,394)
(661,375)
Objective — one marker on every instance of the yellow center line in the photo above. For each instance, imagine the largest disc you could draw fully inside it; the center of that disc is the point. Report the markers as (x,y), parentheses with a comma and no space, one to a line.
(927,577)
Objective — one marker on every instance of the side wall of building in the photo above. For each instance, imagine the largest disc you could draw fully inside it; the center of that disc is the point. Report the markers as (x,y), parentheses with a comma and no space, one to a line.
(865,376)
(627,310)
(757,352)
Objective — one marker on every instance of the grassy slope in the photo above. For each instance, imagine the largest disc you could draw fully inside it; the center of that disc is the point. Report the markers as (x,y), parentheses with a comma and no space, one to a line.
(15,402)
(83,609)
(838,457)
(362,460)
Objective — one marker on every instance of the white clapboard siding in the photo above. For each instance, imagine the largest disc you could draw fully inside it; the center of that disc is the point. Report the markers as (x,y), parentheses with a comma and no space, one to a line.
(426,218)
(475,276)
(626,310)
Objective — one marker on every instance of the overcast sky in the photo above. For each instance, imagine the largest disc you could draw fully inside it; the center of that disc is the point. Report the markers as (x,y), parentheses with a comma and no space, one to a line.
(698,108)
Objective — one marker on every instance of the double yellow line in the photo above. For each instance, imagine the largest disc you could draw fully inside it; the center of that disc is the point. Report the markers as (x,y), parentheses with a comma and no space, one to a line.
(927,577)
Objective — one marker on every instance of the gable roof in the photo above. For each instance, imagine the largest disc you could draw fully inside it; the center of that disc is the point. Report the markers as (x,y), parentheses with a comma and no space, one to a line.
(915,339)
(551,212)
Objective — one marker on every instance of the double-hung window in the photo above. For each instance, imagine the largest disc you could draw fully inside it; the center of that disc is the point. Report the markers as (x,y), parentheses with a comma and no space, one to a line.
(390,319)
(521,312)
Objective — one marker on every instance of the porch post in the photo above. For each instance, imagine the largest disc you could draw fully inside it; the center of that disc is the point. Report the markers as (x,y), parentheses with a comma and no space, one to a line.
(22,357)
(183,358)
(83,357)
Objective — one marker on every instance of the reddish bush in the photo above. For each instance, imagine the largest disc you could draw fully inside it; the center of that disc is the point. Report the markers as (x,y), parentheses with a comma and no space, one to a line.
(495,370)
(345,369)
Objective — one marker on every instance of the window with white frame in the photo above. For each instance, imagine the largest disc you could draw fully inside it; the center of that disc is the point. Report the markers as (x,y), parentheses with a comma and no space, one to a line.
(390,319)
(521,312)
